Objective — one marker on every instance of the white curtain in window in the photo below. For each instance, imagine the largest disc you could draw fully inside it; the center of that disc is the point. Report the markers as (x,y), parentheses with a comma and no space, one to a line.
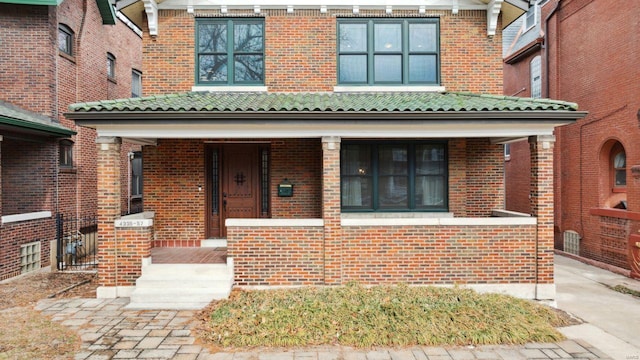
(431,189)
(352,192)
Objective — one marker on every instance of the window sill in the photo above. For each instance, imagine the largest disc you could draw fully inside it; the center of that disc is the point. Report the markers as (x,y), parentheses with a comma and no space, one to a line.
(67,56)
(616,213)
(223,88)
(401,88)
(113,80)
(26,217)
(68,170)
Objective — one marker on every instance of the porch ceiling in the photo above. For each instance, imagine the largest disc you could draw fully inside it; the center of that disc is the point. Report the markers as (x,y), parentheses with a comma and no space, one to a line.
(349,115)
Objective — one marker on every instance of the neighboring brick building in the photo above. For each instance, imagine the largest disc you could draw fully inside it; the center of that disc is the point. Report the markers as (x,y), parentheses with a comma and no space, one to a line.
(54,54)
(585,53)
(327,143)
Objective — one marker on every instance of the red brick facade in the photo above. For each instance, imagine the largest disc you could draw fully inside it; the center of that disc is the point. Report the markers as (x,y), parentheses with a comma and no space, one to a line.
(35,76)
(308,239)
(471,61)
(584,192)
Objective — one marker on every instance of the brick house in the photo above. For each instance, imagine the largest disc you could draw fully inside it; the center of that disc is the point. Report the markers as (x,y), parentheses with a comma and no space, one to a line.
(55,53)
(342,143)
(597,202)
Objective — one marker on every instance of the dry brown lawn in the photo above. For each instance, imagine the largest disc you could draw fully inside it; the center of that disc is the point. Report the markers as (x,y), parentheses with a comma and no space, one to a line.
(27,334)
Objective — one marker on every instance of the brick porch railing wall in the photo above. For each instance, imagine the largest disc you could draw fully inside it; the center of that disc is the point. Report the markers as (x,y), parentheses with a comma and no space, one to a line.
(278,255)
(439,254)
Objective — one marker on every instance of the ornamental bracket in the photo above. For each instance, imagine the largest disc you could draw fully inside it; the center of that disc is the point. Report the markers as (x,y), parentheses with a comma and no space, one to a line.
(151,8)
(493,12)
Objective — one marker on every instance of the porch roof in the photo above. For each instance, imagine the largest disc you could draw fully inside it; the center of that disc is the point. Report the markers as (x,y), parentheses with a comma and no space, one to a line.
(349,114)
(19,120)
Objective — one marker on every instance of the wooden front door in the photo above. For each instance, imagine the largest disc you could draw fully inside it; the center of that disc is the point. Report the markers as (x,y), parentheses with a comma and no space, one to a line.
(234,182)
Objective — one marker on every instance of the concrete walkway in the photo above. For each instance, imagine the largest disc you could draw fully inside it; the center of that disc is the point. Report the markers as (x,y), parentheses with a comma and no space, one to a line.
(108,331)
(612,318)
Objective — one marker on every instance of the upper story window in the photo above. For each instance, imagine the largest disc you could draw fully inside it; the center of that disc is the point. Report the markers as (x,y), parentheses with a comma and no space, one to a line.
(66,153)
(531,17)
(392,176)
(111,66)
(535,71)
(136,83)
(230,51)
(388,51)
(65,39)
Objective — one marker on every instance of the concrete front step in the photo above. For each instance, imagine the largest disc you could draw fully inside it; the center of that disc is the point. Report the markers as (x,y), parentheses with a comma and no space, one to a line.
(181,286)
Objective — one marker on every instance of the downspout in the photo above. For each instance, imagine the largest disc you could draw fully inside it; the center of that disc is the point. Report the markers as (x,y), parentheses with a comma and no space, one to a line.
(546,47)
(78,144)
(56,162)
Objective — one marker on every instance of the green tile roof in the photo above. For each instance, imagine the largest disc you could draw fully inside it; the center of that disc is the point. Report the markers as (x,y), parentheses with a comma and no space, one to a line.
(401,102)
(14,117)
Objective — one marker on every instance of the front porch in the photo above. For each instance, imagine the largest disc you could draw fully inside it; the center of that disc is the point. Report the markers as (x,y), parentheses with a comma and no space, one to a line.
(400,188)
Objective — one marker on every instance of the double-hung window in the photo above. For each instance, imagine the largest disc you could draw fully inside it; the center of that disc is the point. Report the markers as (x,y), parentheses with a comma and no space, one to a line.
(394,176)
(388,51)
(230,51)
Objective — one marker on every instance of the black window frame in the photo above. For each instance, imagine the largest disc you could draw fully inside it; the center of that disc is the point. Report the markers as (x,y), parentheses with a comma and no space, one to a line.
(65,154)
(230,52)
(135,160)
(68,40)
(405,52)
(111,66)
(136,83)
(374,149)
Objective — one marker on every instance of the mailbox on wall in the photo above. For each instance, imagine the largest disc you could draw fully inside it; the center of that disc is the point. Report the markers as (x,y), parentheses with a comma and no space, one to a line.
(285,188)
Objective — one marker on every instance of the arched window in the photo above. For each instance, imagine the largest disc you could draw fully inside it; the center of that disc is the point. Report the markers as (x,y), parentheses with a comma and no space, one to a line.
(618,167)
(65,39)
(66,153)
(535,68)
(111,66)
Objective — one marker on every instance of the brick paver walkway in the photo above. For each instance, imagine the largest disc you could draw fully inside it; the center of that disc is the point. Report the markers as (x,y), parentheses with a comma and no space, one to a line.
(110,332)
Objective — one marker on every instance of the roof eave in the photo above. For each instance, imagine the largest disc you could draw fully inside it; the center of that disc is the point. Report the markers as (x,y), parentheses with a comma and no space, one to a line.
(86,118)
(36,127)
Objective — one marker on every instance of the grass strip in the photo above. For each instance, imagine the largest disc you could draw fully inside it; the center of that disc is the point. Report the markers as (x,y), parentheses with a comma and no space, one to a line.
(358,316)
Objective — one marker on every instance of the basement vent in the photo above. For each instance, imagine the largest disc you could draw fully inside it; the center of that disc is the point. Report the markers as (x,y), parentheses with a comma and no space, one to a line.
(30,257)
(572,242)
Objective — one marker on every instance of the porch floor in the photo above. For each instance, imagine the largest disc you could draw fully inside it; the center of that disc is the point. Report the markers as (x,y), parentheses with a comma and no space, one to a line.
(165,255)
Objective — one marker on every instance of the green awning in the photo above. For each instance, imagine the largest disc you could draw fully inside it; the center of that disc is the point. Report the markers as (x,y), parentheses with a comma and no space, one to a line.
(33,2)
(13,118)
(107,12)
(105,7)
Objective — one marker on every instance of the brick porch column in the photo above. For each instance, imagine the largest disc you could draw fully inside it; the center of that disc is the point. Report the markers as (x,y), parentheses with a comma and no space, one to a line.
(541,200)
(331,210)
(1,176)
(108,209)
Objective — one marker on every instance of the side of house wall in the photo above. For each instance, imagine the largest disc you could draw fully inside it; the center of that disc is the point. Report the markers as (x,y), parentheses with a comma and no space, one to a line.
(600,76)
(35,76)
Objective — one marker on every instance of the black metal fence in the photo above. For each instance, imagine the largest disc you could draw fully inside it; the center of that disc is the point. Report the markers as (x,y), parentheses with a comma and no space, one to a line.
(77,240)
